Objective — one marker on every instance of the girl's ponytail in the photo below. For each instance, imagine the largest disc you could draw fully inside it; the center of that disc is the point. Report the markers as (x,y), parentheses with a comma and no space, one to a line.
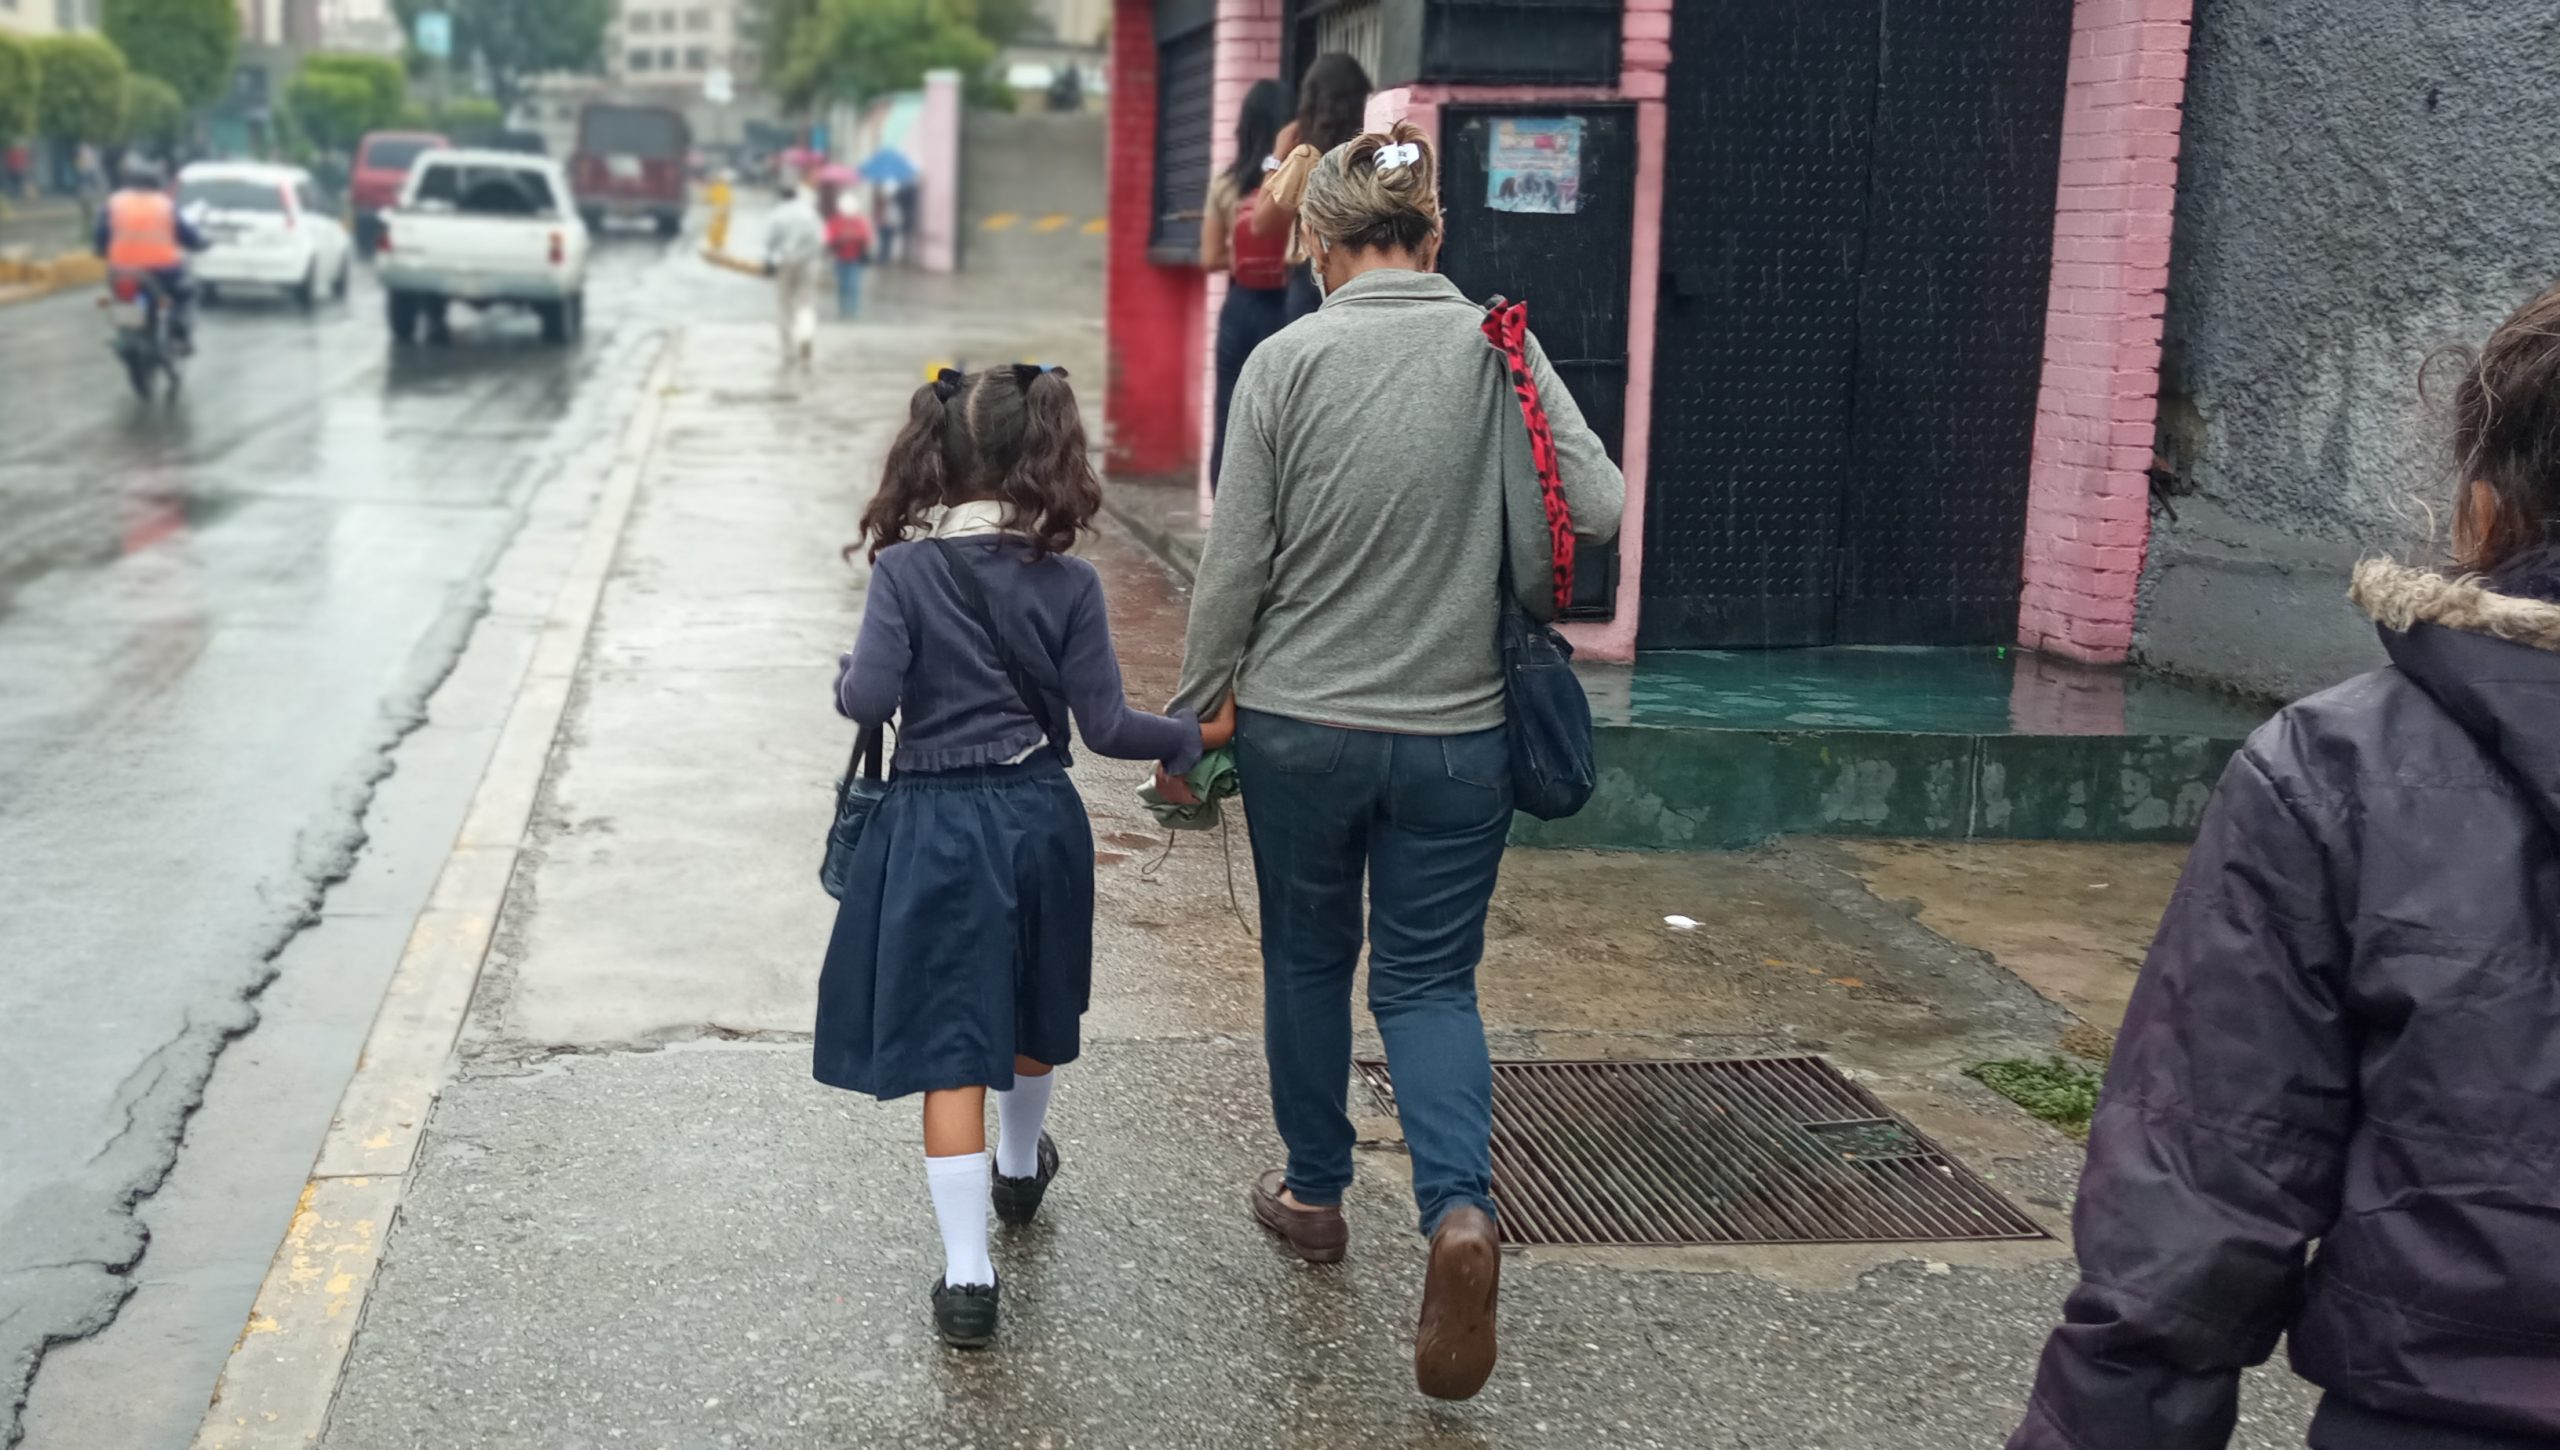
(1051,487)
(918,471)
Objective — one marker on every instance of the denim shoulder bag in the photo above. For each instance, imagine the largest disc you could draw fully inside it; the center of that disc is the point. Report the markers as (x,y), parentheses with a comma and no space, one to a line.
(1545,711)
(858,794)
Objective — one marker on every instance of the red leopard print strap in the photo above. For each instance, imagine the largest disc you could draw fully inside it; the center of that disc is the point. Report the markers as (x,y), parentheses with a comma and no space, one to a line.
(1506,326)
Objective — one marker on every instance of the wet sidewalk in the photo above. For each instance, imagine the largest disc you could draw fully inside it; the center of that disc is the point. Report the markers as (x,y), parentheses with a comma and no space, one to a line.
(635,1221)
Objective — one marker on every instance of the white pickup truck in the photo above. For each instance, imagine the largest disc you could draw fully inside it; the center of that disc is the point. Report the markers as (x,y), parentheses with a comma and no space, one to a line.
(487,229)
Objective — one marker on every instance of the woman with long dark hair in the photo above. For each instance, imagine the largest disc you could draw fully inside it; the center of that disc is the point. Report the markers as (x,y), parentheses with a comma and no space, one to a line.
(1257,266)
(1332,101)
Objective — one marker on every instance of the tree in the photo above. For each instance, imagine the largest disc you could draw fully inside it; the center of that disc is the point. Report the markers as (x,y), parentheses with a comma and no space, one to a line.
(153,117)
(469,120)
(1003,22)
(188,43)
(855,49)
(778,36)
(335,99)
(383,77)
(17,87)
(520,38)
(332,108)
(79,89)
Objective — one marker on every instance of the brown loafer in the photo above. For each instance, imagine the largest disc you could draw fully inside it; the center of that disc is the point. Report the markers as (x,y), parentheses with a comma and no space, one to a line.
(1317,1235)
(1453,1349)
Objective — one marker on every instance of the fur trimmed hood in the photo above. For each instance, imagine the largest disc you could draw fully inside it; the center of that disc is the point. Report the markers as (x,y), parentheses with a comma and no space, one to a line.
(2399,598)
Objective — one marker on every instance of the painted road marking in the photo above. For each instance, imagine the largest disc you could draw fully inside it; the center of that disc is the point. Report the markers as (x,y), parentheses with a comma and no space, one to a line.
(1097,226)
(283,1371)
(1052,222)
(1001,220)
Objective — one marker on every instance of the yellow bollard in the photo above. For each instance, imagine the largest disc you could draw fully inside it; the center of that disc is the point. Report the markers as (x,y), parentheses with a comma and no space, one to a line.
(718,194)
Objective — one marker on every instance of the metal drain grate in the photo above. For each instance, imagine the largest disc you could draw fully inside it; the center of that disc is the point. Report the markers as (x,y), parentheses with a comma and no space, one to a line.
(1747,1150)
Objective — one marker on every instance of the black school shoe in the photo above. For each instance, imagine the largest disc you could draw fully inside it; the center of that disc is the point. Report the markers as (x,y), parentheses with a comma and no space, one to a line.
(966,1316)
(1018,1199)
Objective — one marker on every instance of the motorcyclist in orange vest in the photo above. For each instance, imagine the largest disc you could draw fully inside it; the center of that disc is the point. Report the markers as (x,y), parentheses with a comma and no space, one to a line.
(140,230)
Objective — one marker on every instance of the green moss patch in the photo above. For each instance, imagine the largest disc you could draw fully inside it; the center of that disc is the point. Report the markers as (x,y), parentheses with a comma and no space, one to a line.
(2058,1090)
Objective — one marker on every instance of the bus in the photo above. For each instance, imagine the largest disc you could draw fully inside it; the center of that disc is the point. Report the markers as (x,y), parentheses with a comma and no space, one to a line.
(630,162)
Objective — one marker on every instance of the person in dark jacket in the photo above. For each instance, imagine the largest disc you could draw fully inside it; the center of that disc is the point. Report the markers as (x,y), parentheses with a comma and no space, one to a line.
(2348,1031)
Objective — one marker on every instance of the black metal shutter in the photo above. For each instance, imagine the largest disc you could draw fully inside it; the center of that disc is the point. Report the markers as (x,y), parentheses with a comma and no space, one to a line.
(1572,271)
(1186,74)
(1763,241)
(1857,238)
(1951,320)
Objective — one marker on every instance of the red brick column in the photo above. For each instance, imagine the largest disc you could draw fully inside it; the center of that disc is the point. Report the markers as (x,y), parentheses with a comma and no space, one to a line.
(2088,499)
(1150,313)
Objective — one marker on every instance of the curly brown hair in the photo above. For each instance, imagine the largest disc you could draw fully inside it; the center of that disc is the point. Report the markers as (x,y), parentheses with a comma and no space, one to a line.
(2506,435)
(1011,434)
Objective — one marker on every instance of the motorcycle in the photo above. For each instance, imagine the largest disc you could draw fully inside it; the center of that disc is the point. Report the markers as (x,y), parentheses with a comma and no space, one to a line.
(142,313)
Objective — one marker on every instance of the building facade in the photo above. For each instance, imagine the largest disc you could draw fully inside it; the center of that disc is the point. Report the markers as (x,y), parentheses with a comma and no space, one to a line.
(2366,182)
(675,45)
(1865,298)
(284,24)
(364,27)
(49,17)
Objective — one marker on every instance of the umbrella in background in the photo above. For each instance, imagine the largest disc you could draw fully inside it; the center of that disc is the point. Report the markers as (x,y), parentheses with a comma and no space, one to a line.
(835,174)
(886,167)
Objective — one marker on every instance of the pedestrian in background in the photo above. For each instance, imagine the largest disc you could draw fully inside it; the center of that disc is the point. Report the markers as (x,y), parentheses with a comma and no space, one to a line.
(909,199)
(1256,263)
(1348,603)
(884,224)
(962,959)
(2348,1031)
(795,251)
(849,242)
(1331,103)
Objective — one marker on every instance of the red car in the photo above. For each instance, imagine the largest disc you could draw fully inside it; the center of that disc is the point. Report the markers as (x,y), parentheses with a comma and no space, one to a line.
(630,162)
(382,168)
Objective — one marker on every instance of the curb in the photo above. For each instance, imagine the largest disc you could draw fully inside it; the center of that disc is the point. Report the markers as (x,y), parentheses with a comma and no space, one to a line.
(1171,550)
(282,1375)
(64,273)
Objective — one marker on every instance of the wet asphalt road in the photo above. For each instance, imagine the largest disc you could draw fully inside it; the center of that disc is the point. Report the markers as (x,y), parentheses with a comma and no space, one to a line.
(217,617)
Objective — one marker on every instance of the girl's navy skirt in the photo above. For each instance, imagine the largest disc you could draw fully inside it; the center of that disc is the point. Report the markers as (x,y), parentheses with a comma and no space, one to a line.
(965,936)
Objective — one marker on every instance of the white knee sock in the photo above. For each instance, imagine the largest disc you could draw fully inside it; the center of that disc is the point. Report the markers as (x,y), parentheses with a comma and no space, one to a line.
(959,1187)
(1019,1114)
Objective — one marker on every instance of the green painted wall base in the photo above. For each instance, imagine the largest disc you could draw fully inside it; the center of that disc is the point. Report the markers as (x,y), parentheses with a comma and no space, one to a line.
(1712,751)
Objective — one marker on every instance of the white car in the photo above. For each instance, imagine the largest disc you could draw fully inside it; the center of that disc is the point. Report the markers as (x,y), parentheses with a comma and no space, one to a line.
(267,227)
(486,229)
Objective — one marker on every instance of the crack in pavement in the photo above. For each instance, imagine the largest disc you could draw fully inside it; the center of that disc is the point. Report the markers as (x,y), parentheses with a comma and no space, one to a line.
(139,1157)
(94,1225)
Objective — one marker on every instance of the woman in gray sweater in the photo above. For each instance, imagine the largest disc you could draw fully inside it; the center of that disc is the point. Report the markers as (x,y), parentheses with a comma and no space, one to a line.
(1348,598)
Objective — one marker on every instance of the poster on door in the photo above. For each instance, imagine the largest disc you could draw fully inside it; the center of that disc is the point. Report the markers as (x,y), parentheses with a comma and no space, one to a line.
(1534,165)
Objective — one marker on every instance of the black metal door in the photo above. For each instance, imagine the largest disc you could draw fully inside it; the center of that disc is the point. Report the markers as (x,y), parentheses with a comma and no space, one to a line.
(1858,219)
(1572,270)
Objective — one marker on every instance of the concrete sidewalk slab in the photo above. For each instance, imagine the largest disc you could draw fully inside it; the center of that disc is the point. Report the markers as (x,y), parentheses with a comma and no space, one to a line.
(702,1247)
(628,1228)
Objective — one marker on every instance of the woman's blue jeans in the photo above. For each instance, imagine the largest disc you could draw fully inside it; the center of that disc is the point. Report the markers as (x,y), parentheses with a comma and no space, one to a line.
(1423,819)
(848,288)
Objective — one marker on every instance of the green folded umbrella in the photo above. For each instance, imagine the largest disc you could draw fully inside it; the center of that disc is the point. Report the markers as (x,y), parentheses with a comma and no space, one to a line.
(1212,780)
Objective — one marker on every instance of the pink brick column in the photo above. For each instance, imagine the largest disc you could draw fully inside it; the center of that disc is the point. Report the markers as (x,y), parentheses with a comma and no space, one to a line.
(1247,49)
(2088,499)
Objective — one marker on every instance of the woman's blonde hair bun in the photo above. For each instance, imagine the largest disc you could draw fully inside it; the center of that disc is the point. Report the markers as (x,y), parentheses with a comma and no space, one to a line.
(1357,198)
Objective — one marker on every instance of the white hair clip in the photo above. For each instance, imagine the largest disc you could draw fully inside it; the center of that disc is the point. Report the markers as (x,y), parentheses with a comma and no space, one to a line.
(1397,156)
